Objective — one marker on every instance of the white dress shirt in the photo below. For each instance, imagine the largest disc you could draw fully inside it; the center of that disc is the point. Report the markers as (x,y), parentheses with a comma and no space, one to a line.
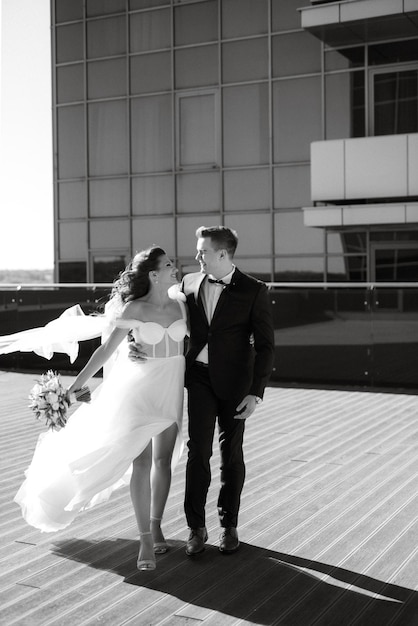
(211,292)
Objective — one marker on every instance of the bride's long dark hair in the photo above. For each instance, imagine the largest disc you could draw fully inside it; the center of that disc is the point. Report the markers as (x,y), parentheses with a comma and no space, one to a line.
(134,281)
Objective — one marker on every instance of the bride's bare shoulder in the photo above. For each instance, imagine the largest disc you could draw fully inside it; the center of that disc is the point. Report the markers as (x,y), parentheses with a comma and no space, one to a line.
(134,309)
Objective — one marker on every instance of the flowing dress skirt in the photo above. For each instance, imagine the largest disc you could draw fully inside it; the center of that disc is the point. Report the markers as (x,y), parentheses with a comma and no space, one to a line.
(79,466)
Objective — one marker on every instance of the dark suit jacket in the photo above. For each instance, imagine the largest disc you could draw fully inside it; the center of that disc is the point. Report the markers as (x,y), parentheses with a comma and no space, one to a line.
(237,366)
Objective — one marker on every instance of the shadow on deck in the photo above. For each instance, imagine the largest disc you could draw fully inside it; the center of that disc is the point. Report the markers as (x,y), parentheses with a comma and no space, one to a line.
(328,527)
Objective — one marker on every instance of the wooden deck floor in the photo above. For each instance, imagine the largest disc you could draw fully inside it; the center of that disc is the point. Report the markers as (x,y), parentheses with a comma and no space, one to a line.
(329,527)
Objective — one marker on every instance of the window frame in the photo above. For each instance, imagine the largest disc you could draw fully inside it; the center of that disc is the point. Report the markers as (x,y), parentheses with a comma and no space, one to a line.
(190,93)
(95,253)
(377,70)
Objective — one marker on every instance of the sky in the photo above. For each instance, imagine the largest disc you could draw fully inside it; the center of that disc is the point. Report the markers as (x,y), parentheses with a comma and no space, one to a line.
(26,200)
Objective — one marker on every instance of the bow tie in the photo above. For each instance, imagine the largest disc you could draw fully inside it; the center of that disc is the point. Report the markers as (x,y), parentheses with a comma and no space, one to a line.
(216,281)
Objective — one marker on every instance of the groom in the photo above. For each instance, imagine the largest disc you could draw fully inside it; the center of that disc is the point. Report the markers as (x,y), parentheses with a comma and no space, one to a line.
(228,363)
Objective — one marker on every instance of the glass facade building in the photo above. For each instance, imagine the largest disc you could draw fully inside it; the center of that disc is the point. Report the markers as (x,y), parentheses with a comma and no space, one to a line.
(173,114)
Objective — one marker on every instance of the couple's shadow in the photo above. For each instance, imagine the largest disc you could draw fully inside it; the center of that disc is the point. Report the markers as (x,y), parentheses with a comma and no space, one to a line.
(255,584)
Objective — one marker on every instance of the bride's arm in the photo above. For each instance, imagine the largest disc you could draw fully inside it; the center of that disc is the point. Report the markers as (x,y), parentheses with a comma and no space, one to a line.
(99,358)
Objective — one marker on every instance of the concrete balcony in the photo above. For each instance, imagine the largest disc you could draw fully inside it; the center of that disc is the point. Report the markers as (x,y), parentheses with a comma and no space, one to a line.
(373,169)
(369,168)
(359,21)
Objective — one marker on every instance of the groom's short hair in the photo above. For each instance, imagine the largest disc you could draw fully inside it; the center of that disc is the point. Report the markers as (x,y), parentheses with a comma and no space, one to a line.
(222,238)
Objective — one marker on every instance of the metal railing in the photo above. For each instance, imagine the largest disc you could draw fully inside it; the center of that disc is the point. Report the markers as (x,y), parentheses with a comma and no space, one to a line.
(337,333)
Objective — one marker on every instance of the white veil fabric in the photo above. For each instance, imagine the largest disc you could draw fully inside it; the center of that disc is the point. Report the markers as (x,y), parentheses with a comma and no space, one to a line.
(61,335)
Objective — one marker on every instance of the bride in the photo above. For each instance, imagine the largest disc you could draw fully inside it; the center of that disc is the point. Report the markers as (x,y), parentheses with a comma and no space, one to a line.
(131,431)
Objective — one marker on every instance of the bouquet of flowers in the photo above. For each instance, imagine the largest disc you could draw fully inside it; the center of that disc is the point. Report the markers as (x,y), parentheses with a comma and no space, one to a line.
(50,401)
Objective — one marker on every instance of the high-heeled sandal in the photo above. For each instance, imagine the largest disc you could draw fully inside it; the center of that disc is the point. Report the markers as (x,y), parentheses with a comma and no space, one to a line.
(146,565)
(160,547)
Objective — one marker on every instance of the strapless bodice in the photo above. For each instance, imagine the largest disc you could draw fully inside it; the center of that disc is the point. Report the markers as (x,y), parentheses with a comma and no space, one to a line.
(152,334)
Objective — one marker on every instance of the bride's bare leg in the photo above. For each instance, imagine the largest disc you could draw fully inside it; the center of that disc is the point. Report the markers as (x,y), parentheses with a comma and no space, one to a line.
(163,446)
(141,499)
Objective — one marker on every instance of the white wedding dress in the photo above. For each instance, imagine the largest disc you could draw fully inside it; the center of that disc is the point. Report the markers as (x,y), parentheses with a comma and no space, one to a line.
(82,464)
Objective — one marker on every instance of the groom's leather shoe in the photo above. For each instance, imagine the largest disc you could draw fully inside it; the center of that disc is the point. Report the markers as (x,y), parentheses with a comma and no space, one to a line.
(196,541)
(229,541)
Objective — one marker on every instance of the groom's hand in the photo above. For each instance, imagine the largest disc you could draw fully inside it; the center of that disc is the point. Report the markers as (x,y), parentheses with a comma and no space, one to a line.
(136,353)
(245,408)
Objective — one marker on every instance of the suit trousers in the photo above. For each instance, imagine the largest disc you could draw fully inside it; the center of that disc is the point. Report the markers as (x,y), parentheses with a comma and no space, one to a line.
(204,407)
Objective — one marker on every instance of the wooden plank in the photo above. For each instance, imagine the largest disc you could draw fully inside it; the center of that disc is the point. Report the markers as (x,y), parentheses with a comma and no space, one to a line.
(328,526)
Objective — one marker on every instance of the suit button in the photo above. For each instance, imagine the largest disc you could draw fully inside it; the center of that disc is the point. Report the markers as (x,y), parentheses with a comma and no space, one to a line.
(209,334)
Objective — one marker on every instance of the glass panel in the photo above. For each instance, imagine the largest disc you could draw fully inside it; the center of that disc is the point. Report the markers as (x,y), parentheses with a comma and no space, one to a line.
(151,134)
(285,15)
(196,23)
(354,242)
(254,233)
(70,83)
(247,190)
(152,195)
(396,102)
(299,269)
(107,268)
(347,268)
(103,7)
(358,99)
(394,235)
(196,67)
(246,125)
(68,10)
(72,200)
(109,234)
(145,4)
(395,52)
(73,240)
(334,243)
(106,37)
(197,130)
(186,234)
(296,53)
(296,118)
(259,268)
(108,143)
(71,139)
(150,30)
(70,44)
(109,197)
(106,78)
(345,105)
(160,232)
(337,268)
(151,72)
(346,58)
(292,187)
(244,17)
(244,60)
(198,192)
(292,236)
(396,264)
(75,272)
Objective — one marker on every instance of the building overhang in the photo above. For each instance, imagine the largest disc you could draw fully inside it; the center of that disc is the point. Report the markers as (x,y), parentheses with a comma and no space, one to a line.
(347,216)
(372,169)
(351,22)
